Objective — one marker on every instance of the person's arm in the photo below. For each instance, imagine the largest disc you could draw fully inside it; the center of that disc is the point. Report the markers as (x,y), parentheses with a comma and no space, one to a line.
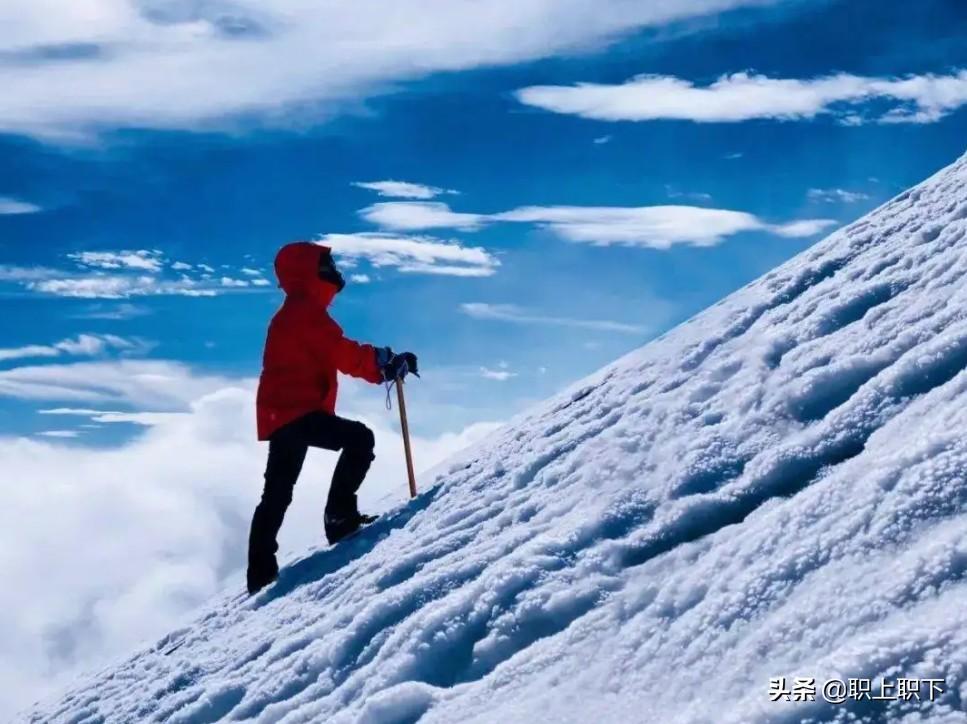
(335,349)
(356,359)
(363,360)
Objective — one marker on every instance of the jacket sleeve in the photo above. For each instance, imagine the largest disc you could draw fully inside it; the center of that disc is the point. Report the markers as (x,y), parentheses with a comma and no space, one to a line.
(358,360)
(350,357)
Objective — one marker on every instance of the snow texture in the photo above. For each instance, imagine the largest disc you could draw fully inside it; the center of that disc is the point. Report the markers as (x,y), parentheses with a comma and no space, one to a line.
(774,488)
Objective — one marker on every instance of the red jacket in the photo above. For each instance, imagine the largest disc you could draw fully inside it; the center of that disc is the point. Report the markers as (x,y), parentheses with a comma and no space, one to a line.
(305,347)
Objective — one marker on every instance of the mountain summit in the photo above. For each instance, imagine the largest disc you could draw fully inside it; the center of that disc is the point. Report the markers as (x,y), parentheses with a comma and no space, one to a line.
(771,493)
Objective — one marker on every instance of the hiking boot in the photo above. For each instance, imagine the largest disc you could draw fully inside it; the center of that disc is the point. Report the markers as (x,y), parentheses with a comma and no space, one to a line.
(341,526)
(260,574)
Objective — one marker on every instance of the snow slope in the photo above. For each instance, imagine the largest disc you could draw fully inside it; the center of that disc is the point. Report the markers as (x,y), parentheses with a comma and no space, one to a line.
(774,488)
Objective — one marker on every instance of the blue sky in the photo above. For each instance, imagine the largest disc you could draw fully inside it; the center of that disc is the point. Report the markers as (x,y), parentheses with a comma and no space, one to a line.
(225,186)
(583,176)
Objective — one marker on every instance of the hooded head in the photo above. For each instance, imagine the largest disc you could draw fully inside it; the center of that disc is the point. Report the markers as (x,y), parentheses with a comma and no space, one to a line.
(306,270)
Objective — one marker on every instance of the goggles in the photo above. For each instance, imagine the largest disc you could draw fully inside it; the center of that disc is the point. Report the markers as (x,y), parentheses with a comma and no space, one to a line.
(329,273)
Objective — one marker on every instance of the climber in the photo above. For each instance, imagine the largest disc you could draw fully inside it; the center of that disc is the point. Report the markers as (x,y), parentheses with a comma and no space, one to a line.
(296,402)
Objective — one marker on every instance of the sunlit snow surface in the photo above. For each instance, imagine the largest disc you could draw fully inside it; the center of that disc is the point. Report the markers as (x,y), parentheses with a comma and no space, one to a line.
(775,488)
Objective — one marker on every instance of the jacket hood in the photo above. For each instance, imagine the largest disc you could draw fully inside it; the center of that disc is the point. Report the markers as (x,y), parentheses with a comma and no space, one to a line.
(297,269)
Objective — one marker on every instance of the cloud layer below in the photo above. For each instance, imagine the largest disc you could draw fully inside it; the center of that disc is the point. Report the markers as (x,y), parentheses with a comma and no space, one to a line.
(134,538)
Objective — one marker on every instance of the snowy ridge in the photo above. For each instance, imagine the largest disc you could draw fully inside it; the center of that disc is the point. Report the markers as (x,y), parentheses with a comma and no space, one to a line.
(774,488)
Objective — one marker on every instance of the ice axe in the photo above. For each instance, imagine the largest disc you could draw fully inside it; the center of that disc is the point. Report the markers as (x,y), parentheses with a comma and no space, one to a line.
(405,428)
(404,425)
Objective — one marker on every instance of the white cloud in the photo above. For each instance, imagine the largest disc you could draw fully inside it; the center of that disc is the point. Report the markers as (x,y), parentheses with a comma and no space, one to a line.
(248,271)
(499,375)
(114,416)
(10,273)
(59,433)
(600,140)
(410,215)
(9,206)
(674,193)
(658,227)
(360,278)
(836,195)
(89,345)
(123,310)
(124,274)
(86,412)
(403,189)
(806,227)
(416,254)
(743,96)
(94,344)
(230,282)
(31,350)
(151,384)
(208,64)
(141,259)
(169,512)
(512,313)
(139,418)
(107,286)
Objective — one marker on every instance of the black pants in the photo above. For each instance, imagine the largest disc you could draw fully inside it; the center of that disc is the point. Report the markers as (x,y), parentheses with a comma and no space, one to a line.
(287,451)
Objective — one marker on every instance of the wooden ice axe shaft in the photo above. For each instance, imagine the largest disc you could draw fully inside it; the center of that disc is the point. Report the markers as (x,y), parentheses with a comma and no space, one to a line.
(405,428)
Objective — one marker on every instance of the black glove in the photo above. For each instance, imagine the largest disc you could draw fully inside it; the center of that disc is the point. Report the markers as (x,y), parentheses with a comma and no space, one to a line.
(395,365)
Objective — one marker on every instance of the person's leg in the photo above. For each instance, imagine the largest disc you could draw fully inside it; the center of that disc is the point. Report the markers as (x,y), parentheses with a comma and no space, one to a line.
(287,452)
(356,442)
(351,468)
